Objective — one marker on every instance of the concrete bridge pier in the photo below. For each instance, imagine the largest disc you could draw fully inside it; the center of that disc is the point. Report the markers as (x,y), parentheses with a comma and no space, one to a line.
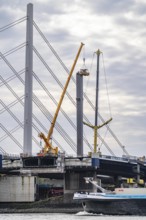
(74,181)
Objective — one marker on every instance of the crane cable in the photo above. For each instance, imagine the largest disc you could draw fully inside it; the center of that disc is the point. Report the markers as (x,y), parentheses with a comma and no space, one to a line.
(108,99)
(107,91)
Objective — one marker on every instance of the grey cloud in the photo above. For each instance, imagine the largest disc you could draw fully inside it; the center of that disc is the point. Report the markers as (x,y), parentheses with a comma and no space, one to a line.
(5,17)
(110,7)
(131,24)
(129,78)
(58,35)
(140,9)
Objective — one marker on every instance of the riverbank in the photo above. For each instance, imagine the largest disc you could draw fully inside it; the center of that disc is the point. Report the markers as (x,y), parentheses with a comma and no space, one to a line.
(58,204)
(42,210)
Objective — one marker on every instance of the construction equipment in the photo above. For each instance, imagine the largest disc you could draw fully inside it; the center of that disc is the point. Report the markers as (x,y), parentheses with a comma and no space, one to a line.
(48,148)
(96,126)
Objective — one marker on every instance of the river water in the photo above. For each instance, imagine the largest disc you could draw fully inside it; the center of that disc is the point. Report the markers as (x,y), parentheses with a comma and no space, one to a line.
(58,216)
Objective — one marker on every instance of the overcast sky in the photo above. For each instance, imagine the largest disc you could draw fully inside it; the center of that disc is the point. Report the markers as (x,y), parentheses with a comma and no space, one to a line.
(118,29)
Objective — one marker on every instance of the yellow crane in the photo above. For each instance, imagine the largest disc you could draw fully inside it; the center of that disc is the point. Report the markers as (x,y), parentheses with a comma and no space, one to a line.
(48,148)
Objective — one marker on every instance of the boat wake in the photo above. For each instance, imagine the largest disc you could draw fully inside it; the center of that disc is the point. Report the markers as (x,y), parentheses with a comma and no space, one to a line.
(84,213)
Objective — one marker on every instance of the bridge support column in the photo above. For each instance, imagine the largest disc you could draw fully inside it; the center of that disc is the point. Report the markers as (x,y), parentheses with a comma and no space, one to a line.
(27,145)
(79,92)
(79,81)
(74,181)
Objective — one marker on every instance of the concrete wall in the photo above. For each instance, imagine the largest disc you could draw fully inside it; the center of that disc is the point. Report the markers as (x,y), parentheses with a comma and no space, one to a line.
(74,181)
(17,188)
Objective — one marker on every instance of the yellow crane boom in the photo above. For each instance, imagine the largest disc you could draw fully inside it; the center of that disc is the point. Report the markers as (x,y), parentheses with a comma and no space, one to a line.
(48,145)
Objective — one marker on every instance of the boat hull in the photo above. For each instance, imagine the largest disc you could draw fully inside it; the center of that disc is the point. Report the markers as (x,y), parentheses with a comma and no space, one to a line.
(116,207)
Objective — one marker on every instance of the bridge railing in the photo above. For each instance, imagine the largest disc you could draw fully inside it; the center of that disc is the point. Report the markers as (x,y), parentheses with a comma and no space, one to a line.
(11,164)
(125,158)
(10,157)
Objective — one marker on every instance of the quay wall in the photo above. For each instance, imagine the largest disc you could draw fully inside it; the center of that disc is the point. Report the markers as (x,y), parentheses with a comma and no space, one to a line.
(17,188)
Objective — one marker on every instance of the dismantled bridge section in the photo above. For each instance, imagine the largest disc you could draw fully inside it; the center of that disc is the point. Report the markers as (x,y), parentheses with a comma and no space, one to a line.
(103,165)
(53,175)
